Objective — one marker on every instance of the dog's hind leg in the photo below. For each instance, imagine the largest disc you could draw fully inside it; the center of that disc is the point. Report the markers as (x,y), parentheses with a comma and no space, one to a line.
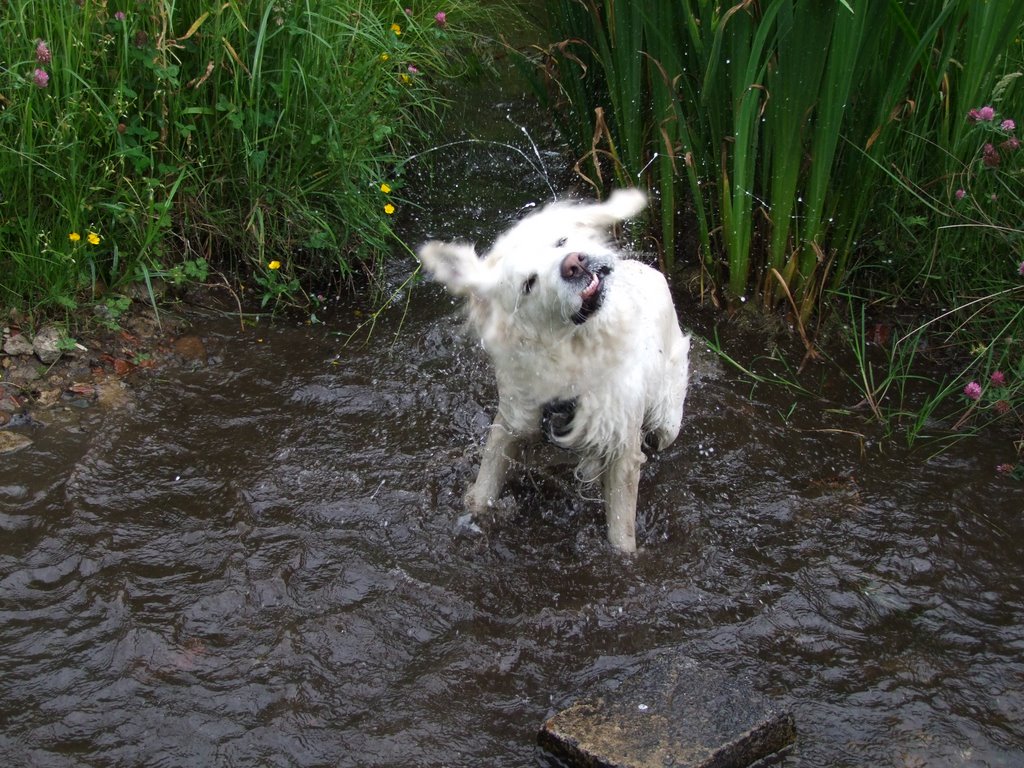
(667,413)
(502,448)
(621,481)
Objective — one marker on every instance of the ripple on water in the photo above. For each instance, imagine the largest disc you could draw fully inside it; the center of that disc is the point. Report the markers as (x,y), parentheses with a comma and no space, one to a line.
(258,565)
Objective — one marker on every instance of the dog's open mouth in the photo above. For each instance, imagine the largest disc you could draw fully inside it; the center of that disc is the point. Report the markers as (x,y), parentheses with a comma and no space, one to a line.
(592,295)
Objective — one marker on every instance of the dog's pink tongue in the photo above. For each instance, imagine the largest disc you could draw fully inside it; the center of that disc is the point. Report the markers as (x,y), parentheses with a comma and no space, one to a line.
(590,290)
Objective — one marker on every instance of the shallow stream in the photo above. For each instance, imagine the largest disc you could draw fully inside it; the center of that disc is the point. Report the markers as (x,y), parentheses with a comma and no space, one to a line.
(258,563)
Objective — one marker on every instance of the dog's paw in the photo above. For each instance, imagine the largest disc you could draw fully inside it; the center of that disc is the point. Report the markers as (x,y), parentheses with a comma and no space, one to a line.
(482,510)
(466,525)
(556,419)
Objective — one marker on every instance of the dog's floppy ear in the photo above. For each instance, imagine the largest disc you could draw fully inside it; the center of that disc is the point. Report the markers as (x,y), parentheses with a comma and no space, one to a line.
(621,204)
(456,266)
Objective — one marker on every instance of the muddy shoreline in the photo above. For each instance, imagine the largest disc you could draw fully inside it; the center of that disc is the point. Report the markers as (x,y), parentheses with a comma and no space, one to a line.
(100,364)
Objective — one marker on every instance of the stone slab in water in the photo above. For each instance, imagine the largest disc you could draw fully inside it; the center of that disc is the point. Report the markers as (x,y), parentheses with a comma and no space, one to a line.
(675,714)
(12,441)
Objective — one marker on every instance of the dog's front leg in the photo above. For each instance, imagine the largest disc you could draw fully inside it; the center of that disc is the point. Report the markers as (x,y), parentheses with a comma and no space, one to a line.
(621,481)
(502,448)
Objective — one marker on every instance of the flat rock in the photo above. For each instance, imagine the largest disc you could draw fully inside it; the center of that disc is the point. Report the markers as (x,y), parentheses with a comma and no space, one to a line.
(674,714)
(17,344)
(22,371)
(12,441)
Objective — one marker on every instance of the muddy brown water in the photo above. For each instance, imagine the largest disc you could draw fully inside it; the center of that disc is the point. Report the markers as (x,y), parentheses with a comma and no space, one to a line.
(259,564)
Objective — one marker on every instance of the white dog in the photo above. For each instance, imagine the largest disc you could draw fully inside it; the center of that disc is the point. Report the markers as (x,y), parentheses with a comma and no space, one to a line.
(586,347)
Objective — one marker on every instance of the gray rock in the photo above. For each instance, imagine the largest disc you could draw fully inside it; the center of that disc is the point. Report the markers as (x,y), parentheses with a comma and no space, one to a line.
(675,713)
(23,371)
(46,344)
(17,344)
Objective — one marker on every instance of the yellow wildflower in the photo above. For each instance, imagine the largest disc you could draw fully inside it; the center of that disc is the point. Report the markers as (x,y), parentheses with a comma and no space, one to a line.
(274,265)
(74,237)
(406,79)
(396,29)
(385,188)
(384,57)
(93,238)
(389,209)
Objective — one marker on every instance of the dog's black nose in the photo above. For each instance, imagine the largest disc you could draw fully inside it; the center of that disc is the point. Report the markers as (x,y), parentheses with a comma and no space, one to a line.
(574,265)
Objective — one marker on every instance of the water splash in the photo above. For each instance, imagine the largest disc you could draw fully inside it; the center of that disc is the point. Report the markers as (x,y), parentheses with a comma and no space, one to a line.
(540,170)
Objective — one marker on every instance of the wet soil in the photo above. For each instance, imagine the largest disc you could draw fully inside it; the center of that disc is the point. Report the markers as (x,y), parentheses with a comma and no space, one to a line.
(99,364)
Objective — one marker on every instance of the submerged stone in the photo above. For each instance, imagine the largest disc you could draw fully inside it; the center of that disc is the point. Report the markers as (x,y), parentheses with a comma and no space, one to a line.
(12,441)
(676,713)
(191,350)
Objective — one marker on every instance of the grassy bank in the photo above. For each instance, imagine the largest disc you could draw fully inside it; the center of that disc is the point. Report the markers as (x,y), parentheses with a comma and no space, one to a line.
(163,138)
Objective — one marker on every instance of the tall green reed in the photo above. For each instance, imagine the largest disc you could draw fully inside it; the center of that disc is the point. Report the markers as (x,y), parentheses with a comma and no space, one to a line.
(772,122)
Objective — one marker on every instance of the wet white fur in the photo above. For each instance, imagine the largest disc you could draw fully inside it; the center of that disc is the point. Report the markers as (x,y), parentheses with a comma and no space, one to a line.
(627,364)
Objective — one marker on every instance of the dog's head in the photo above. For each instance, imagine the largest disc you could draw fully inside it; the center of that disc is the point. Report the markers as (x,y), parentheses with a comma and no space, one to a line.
(549,269)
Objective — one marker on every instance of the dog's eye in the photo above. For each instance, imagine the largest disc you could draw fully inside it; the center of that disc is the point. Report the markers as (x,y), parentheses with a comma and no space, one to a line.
(529,283)
(561,242)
